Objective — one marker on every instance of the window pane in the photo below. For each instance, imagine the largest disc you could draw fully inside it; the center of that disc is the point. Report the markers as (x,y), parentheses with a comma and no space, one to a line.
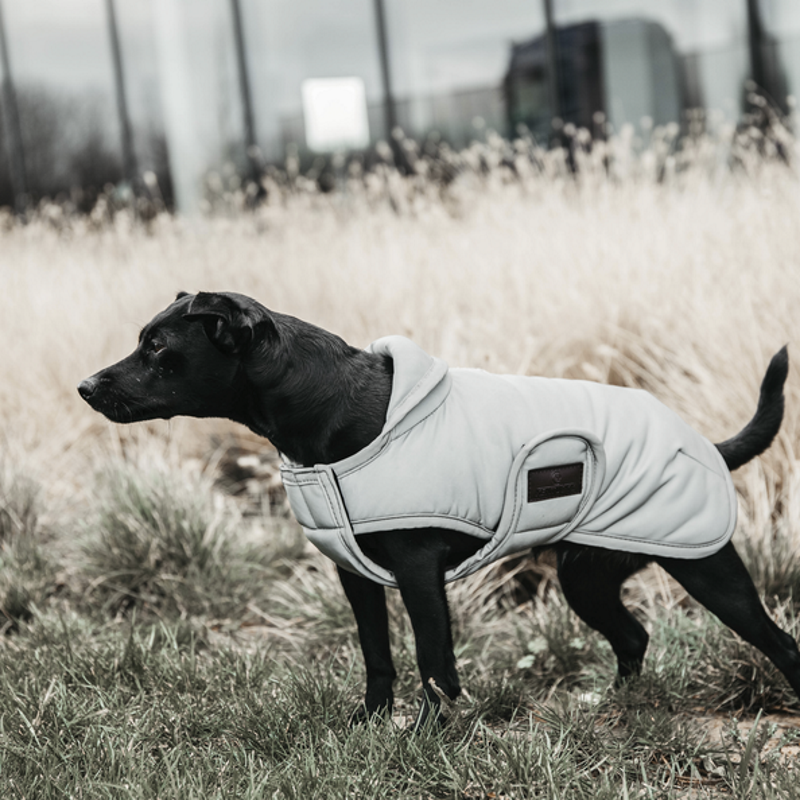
(661,57)
(290,41)
(450,58)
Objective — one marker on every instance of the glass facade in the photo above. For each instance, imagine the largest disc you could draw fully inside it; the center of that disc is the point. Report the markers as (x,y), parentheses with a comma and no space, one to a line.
(456,68)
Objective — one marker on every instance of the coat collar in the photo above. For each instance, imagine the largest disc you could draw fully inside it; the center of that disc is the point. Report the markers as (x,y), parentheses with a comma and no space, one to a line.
(416,375)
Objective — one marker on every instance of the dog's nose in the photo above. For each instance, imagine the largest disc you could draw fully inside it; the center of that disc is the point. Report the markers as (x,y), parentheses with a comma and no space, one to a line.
(86,388)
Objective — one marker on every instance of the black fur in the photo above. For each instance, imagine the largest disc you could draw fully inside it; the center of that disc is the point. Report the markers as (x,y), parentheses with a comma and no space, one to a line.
(319,400)
(758,434)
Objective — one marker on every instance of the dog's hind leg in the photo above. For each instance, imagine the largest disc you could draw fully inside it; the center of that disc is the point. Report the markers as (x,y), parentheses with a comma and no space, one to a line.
(722,584)
(591,579)
(368,600)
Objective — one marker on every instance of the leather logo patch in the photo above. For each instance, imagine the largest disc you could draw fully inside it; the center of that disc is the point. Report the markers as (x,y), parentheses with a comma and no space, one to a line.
(550,482)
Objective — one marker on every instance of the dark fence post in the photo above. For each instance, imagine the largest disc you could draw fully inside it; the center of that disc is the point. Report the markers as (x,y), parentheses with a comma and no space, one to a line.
(13,130)
(251,144)
(129,166)
(389,106)
(755,43)
(765,67)
(553,78)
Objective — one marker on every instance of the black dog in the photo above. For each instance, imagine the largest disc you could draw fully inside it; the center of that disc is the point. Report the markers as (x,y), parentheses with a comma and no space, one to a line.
(318,400)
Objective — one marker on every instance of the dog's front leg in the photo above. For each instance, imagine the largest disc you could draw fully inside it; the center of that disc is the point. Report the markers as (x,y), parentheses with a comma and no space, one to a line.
(418,561)
(368,600)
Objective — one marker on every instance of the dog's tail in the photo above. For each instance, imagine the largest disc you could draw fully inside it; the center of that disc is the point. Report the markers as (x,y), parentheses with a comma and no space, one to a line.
(758,434)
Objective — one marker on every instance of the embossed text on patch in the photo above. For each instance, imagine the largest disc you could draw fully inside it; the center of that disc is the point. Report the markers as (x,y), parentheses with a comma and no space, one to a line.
(559,481)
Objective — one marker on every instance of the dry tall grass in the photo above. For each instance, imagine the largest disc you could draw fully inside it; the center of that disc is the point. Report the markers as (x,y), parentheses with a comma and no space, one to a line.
(684,286)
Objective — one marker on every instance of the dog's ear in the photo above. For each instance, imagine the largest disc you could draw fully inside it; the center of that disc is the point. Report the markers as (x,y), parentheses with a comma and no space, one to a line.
(229,324)
(181,295)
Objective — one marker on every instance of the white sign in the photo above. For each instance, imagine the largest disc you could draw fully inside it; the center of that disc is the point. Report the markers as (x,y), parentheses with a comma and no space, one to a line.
(335,113)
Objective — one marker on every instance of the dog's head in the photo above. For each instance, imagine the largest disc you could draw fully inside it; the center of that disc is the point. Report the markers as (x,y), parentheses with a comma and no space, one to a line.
(189,361)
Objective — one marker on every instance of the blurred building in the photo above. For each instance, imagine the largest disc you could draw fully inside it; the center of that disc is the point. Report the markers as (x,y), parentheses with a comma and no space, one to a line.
(451,68)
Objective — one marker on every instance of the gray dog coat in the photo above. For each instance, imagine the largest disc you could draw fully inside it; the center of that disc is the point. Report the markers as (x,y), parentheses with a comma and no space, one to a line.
(518,462)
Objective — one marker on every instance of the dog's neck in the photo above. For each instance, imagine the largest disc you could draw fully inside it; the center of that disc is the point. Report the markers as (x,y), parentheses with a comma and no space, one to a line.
(321,400)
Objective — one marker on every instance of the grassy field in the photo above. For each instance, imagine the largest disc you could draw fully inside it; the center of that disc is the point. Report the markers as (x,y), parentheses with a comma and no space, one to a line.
(168,633)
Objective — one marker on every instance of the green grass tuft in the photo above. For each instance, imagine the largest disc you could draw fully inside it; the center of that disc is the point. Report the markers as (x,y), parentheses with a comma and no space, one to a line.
(27,574)
(167,544)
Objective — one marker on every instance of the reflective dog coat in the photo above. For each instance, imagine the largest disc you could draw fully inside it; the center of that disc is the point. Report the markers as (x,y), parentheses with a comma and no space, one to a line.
(519,462)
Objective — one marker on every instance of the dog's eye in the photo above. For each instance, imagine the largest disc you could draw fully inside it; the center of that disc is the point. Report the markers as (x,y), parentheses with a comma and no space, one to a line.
(157,347)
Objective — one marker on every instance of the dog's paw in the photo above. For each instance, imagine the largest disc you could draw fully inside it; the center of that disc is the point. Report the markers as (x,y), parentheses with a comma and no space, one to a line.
(363,714)
(429,716)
